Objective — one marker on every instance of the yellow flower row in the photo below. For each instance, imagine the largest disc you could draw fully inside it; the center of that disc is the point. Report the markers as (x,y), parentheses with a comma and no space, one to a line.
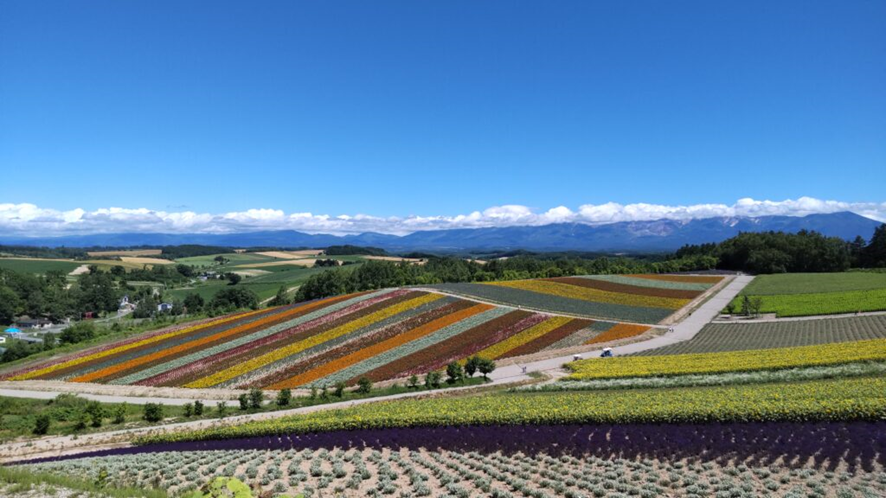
(588,294)
(297,347)
(831,400)
(119,349)
(735,361)
(524,337)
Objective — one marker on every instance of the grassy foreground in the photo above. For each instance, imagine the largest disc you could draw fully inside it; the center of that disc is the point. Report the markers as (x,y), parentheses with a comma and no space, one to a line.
(17,481)
(831,400)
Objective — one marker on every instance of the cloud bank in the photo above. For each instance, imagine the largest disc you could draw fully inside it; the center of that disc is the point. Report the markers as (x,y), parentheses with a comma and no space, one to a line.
(31,220)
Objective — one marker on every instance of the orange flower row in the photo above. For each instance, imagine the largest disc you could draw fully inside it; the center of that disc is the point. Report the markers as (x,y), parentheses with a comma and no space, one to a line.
(619,331)
(141,360)
(376,349)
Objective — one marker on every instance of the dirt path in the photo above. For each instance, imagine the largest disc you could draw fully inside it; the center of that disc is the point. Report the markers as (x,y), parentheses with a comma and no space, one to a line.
(289,290)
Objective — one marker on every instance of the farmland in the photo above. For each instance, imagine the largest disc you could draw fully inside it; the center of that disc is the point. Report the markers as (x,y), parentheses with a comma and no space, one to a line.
(473,463)
(803,294)
(821,400)
(633,298)
(733,361)
(380,335)
(38,266)
(716,337)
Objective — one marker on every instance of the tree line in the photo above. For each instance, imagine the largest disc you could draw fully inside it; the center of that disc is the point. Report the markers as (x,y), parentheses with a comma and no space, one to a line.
(804,251)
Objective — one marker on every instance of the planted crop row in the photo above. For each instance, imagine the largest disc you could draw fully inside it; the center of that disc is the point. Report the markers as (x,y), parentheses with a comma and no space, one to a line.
(716,337)
(381,335)
(734,361)
(845,399)
(798,374)
(417,472)
(559,304)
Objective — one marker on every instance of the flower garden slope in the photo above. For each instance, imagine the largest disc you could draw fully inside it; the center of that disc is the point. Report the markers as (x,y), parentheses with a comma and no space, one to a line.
(735,361)
(831,400)
(632,298)
(383,335)
(718,337)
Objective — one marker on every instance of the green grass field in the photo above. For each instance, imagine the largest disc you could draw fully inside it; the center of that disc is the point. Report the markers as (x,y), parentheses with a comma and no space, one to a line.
(804,294)
(808,283)
(265,286)
(37,265)
(233,258)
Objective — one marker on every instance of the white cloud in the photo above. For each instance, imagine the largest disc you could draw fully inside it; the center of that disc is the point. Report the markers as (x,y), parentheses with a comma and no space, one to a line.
(32,220)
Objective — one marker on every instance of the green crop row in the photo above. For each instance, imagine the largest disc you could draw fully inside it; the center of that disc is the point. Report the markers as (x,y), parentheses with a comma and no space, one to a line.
(823,303)
(832,400)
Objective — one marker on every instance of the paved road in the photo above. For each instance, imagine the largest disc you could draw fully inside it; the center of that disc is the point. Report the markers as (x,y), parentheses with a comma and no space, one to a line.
(683,331)
(802,318)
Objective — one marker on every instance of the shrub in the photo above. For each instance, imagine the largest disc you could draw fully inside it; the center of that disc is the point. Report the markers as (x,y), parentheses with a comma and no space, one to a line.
(364,385)
(188,409)
(96,412)
(153,412)
(454,372)
(432,380)
(41,424)
(339,389)
(486,367)
(222,408)
(198,408)
(413,382)
(284,397)
(119,413)
(256,396)
(472,365)
(244,401)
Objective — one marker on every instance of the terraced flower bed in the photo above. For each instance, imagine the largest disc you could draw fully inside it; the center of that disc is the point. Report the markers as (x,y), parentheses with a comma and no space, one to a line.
(826,400)
(733,361)
(634,298)
(716,337)
(380,335)
(679,460)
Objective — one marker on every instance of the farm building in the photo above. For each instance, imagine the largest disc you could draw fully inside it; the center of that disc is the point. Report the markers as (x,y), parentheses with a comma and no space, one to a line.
(33,323)
(162,307)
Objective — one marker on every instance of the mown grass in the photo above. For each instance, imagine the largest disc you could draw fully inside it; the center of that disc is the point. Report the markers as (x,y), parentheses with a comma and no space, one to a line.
(809,283)
(39,266)
(809,294)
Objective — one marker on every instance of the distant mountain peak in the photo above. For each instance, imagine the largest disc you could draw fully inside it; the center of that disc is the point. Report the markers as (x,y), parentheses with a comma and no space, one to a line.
(636,236)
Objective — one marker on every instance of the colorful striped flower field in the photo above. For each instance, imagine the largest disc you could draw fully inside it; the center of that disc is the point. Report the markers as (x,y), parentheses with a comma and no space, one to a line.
(382,335)
(645,299)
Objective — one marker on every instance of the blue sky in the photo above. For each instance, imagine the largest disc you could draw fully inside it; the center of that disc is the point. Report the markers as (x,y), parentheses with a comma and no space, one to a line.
(438,109)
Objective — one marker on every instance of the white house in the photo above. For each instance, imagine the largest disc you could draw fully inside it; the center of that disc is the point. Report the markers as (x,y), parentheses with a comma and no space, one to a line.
(164,307)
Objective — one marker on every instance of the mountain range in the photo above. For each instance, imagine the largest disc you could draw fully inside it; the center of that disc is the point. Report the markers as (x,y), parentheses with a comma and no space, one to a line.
(632,236)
